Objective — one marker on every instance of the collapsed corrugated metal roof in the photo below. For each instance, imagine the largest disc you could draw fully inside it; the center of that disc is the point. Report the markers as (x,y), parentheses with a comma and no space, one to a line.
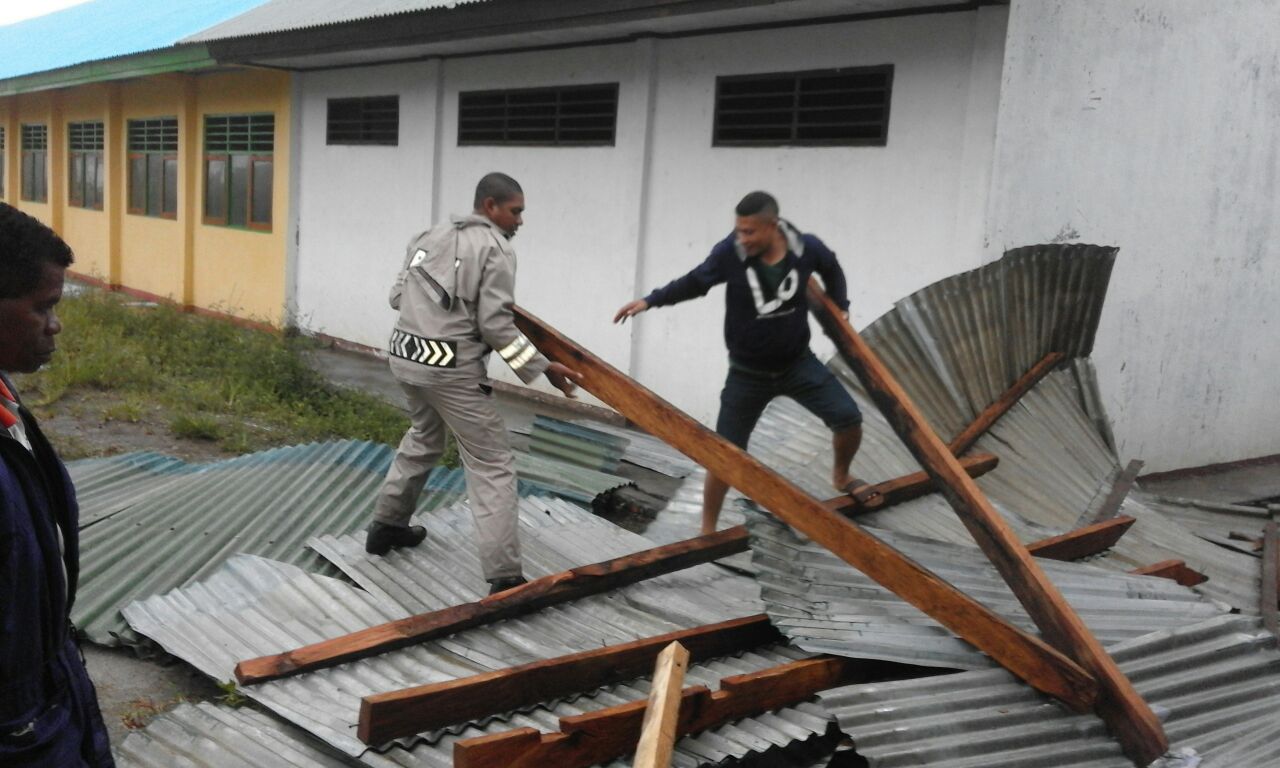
(1216,686)
(955,346)
(194,516)
(254,606)
(826,606)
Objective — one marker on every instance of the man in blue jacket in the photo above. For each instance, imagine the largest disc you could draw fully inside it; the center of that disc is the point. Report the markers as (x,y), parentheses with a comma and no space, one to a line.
(766,263)
(49,713)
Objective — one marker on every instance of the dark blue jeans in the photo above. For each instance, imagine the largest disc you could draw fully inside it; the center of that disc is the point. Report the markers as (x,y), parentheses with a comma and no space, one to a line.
(807,381)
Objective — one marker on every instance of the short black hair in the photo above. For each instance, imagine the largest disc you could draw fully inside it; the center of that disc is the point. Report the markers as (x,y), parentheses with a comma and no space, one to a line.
(26,246)
(499,186)
(758,204)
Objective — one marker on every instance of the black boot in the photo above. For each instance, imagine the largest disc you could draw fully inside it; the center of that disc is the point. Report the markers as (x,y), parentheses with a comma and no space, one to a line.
(502,585)
(382,538)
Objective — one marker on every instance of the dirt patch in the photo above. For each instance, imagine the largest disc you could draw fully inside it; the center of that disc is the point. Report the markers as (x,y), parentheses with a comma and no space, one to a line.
(98,423)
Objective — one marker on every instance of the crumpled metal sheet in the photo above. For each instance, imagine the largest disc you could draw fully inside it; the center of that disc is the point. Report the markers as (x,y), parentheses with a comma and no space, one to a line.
(253,606)
(827,606)
(955,346)
(577,444)
(1215,685)
(105,486)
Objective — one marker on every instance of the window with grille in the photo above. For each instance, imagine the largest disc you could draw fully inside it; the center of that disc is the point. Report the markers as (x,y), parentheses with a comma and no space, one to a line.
(239,170)
(3,154)
(830,107)
(580,115)
(85,177)
(153,167)
(35,155)
(366,120)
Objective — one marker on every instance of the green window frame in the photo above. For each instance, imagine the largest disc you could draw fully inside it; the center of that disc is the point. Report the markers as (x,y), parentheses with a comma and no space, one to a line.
(35,158)
(239,170)
(153,167)
(85,173)
(3,155)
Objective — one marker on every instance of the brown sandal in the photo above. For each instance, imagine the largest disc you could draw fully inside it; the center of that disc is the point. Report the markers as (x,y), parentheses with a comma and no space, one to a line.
(863,493)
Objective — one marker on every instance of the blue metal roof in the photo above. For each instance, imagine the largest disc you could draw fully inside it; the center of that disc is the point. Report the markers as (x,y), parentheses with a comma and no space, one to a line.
(105,29)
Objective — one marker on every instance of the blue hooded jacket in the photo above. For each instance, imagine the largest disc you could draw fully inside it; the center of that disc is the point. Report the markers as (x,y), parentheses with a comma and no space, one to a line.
(764,330)
(49,714)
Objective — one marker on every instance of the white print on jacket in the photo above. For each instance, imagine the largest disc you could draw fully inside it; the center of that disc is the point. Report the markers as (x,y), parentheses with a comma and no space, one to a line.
(786,290)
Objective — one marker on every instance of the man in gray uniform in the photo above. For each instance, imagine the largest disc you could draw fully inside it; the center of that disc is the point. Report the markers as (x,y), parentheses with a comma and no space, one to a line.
(454,294)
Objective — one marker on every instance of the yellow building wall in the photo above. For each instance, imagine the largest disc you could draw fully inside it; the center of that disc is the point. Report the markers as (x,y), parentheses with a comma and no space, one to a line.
(152,249)
(34,108)
(87,231)
(241,271)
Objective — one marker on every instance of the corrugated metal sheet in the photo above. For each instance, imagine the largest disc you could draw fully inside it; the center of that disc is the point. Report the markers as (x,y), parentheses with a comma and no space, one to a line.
(206,735)
(647,451)
(254,606)
(104,29)
(576,444)
(826,606)
(284,15)
(265,503)
(194,516)
(109,485)
(1215,684)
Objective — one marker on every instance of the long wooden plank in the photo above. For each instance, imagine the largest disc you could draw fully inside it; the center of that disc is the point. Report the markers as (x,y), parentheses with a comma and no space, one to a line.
(1022,654)
(1110,506)
(987,419)
(599,737)
(1129,718)
(908,487)
(1270,577)
(658,731)
(534,596)
(1175,570)
(1082,542)
(387,716)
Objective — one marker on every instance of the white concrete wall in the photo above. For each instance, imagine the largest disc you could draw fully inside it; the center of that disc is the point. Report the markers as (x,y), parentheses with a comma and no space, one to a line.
(606,224)
(359,205)
(890,213)
(1153,125)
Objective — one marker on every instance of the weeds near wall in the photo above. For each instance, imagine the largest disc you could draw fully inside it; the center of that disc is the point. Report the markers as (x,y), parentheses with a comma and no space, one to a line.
(200,378)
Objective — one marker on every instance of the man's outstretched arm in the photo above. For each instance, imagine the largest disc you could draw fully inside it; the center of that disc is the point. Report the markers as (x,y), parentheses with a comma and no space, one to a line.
(697,282)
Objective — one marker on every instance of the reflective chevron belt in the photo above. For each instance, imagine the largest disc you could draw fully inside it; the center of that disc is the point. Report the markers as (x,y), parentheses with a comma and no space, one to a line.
(432,352)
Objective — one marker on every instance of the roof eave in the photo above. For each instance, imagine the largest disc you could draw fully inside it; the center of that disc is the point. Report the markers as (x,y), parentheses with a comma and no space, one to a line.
(179,58)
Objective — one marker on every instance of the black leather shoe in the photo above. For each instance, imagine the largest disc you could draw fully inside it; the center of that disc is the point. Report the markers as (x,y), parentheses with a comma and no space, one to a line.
(382,538)
(502,585)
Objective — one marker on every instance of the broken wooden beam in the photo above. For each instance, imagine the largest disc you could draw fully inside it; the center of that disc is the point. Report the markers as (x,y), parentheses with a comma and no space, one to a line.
(1128,717)
(391,715)
(1271,578)
(1176,570)
(1110,506)
(1026,656)
(658,731)
(537,594)
(1082,542)
(908,487)
(985,420)
(599,737)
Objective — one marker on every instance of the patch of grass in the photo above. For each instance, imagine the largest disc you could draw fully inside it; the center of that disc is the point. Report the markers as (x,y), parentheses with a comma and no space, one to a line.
(206,378)
(196,427)
(231,695)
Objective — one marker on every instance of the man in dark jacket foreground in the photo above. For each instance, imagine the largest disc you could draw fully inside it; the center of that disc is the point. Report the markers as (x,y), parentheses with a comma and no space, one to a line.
(49,713)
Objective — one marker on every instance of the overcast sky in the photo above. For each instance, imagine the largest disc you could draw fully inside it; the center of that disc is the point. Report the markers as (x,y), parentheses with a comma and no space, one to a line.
(11,11)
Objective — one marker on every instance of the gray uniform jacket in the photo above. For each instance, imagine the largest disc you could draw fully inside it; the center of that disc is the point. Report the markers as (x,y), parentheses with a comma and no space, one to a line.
(454,293)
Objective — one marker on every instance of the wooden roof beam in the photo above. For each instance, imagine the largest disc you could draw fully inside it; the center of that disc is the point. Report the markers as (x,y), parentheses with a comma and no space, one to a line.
(387,716)
(1129,718)
(599,737)
(1024,655)
(540,593)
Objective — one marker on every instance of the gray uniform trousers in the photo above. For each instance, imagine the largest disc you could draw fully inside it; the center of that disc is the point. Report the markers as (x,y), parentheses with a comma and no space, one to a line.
(459,403)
